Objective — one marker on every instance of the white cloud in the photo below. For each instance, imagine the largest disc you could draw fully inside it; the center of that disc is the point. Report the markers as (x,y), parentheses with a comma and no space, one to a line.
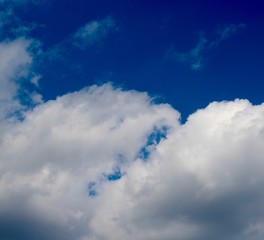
(16,58)
(93,32)
(63,145)
(195,57)
(14,64)
(103,163)
(204,179)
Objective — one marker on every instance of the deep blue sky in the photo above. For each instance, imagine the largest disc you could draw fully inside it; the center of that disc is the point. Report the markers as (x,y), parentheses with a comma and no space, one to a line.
(141,52)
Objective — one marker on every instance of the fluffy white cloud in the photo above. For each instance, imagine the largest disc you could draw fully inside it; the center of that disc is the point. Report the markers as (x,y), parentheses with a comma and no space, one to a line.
(93,32)
(203,182)
(103,163)
(78,139)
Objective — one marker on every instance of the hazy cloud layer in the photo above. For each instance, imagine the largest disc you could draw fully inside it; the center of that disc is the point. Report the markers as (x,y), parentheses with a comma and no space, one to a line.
(195,57)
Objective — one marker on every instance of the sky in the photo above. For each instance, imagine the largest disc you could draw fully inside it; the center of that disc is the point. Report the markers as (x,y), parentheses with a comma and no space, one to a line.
(131,120)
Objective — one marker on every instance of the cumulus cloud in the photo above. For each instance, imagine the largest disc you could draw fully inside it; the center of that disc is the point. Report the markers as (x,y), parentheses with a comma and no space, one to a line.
(84,137)
(94,32)
(104,163)
(195,57)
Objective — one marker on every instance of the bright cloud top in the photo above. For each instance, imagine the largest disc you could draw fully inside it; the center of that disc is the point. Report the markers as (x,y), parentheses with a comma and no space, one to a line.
(104,163)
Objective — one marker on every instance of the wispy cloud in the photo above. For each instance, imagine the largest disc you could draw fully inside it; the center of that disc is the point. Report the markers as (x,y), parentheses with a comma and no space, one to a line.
(94,32)
(225,32)
(195,57)
(91,34)
(11,26)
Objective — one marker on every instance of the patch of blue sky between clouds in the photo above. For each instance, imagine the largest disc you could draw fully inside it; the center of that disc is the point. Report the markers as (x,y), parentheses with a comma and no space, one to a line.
(195,57)
(153,140)
(91,188)
(115,175)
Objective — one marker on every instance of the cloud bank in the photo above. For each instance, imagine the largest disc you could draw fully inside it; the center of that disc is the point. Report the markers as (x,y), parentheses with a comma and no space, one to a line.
(103,163)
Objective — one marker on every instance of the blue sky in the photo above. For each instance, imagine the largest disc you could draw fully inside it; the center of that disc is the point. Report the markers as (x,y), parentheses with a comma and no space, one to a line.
(131,120)
(144,47)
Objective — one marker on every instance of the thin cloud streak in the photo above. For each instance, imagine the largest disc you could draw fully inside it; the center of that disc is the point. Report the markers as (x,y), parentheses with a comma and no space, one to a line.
(94,32)
(195,57)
